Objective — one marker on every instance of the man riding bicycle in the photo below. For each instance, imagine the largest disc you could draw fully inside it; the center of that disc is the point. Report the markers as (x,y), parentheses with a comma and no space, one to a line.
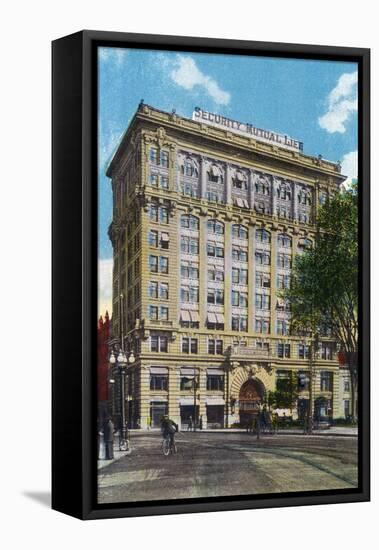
(169,428)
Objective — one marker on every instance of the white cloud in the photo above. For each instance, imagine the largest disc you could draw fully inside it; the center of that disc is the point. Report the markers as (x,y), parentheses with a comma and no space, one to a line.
(342,103)
(104,291)
(115,55)
(187,74)
(349,167)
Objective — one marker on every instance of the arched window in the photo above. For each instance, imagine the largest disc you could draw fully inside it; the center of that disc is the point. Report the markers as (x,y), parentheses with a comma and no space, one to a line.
(262,187)
(262,236)
(284,192)
(304,244)
(215,226)
(284,240)
(304,197)
(187,221)
(215,174)
(190,168)
(239,231)
(240,180)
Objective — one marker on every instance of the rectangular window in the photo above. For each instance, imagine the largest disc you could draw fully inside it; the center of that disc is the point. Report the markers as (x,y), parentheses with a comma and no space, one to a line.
(153,313)
(163,264)
(211,250)
(215,382)
(163,291)
(211,296)
(164,182)
(164,159)
(184,294)
(303,381)
(284,350)
(243,277)
(303,351)
(239,323)
(153,264)
(194,294)
(153,212)
(164,313)
(194,246)
(154,180)
(189,345)
(282,327)
(326,381)
(235,275)
(165,241)
(219,297)
(158,382)
(153,155)
(163,214)
(346,385)
(153,238)
(193,272)
(219,252)
(153,289)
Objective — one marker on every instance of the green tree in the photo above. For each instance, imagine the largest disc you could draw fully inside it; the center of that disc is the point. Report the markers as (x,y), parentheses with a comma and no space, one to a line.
(323,294)
(286,393)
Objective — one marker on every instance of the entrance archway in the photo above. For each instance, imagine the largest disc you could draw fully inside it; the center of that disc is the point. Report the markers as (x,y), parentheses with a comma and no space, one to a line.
(250,398)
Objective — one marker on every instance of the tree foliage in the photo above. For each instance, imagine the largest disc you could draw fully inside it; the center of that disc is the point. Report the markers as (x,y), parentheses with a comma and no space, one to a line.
(323,294)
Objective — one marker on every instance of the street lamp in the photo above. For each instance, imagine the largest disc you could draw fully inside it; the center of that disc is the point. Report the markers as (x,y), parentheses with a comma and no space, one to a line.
(122,361)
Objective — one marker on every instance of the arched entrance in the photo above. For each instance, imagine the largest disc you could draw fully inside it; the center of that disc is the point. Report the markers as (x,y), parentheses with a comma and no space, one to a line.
(250,398)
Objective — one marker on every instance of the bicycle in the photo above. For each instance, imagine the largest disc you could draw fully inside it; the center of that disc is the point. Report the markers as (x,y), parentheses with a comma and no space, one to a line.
(169,445)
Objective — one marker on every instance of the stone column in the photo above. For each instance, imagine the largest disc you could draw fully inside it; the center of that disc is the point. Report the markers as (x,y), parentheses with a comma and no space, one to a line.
(251,279)
(203,270)
(228,275)
(203,178)
(228,185)
(173,393)
(274,242)
(274,183)
(251,189)
(295,201)
(202,391)
(144,412)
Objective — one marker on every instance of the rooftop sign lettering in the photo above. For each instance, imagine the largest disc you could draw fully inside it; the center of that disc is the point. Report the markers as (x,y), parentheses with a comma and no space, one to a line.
(246,129)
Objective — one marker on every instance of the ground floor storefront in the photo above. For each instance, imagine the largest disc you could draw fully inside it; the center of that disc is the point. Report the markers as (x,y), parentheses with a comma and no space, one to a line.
(215,396)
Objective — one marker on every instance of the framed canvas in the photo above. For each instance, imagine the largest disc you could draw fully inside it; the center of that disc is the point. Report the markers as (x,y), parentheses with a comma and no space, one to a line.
(210,274)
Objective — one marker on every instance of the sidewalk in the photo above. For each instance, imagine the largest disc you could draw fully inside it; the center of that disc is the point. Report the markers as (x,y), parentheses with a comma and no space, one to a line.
(344,431)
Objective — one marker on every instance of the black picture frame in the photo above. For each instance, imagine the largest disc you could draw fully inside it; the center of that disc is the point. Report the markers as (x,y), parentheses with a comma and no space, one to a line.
(74,272)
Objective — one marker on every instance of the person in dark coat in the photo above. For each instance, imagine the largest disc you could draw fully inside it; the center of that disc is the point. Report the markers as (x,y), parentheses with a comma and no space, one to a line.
(108,439)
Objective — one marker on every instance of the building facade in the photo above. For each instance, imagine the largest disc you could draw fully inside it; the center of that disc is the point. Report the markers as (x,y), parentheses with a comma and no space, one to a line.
(206,225)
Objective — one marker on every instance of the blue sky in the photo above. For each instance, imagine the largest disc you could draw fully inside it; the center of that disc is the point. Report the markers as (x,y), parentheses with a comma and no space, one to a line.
(312,101)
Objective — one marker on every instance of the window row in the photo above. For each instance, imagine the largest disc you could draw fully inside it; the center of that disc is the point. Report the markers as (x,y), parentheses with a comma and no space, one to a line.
(159,239)
(189,294)
(189,245)
(159,157)
(158,264)
(158,213)
(157,180)
(158,313)
(158,290)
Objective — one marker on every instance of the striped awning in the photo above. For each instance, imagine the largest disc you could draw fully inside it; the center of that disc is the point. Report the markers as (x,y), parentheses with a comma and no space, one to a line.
(214,401)
(158,370)
(220,318)
(215,372)
(185,316)
(212,318)
(195,318)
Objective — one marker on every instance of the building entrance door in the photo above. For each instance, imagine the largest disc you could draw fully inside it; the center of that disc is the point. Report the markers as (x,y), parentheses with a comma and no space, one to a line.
(250,398)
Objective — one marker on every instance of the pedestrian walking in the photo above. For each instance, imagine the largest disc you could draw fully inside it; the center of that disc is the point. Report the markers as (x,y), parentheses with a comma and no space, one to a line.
(190,424)
(108,439)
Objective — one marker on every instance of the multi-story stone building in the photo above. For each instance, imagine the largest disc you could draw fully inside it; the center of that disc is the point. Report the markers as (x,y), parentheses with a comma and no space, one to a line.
(206,224)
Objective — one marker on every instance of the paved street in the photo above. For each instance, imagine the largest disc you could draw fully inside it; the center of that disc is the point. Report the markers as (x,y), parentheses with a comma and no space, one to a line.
(217,464)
